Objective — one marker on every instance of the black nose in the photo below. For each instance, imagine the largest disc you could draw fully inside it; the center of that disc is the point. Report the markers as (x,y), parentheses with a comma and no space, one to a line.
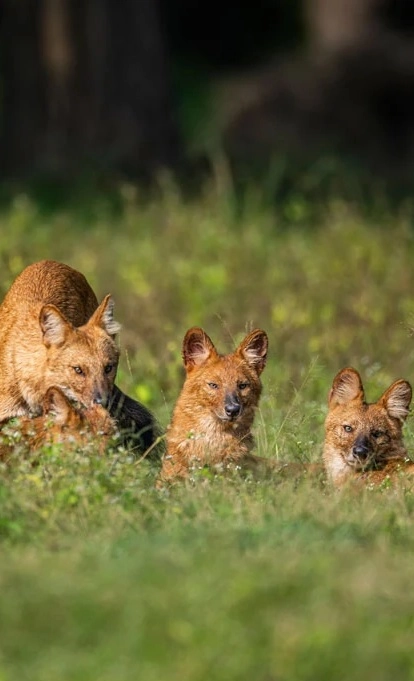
(361,448)
(232,407)
(99,399)
(361,452)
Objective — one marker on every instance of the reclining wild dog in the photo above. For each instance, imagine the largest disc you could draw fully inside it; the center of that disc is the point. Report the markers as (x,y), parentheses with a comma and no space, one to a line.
(60,423)
(53,333)
(213,416)
(364,442)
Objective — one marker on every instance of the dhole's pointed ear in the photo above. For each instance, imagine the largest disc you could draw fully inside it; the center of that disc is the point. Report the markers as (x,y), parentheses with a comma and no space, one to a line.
(104,317)
(197,348)
(346,386)
(55,327)
(57,405)
(254,349)
(397,399)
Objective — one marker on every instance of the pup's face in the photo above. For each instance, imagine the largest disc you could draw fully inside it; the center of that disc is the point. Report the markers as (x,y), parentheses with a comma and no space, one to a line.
(228,386)
(361,436)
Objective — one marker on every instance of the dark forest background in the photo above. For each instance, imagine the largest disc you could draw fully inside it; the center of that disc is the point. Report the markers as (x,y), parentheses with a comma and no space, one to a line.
(125,88)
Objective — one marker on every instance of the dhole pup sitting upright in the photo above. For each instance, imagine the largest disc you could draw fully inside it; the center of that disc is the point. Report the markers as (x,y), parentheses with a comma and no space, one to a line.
(213,417)
(53,333)
(364,441)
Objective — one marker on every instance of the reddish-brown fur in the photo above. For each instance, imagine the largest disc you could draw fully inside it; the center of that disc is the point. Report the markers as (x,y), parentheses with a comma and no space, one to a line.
(52,333)
(60,423)
(364,442)
(213,416)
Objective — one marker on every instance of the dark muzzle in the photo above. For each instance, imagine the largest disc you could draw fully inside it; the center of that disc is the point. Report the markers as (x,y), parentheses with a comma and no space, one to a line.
(232,406)
(100,398)
(361,448)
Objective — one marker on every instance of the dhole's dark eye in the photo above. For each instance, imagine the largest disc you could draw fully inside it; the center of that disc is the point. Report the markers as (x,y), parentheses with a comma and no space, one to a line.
(212,385)
(243,386)
(348,429)
(108,368)
(377,433)
(78,370)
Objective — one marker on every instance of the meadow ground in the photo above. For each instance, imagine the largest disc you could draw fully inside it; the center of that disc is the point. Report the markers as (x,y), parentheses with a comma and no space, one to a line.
(104,577)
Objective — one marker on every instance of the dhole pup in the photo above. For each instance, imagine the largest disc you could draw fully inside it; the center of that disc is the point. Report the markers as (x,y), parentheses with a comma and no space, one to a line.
(54,333)
(365,441)
(60,423)
(213,416)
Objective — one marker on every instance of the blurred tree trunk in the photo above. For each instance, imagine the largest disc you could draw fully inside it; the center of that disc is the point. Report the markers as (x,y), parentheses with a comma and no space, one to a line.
(84,82)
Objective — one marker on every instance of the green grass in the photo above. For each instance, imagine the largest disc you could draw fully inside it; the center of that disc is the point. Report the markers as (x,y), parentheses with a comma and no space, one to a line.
(104,577)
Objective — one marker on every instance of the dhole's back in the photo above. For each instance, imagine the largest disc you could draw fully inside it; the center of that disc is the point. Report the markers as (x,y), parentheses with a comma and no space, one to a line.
(49,283)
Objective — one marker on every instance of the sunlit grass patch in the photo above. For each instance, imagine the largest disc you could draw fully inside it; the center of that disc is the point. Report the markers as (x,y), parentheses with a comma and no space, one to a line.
(224,577)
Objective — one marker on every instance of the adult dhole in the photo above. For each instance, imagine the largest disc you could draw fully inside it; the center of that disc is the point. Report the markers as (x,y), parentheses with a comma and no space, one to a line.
(60,423)
(53,333)
(363,441)
(213,416)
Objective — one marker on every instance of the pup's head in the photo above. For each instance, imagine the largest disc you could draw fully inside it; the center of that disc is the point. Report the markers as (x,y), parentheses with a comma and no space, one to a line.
(81,361)
(361,436)
(94,420)
(228,386)
(62,422)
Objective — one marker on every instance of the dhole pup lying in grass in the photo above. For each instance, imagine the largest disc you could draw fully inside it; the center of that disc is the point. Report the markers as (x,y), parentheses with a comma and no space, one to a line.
(213,416)
(60,423)
(364,442)
(53,333)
